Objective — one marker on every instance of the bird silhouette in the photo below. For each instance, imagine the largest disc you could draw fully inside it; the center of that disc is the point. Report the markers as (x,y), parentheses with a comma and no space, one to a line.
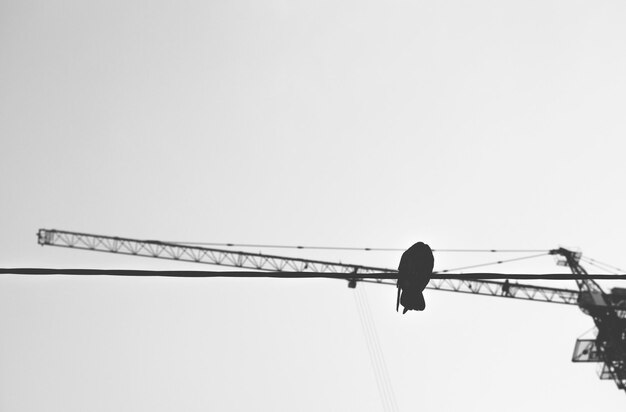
(414,272)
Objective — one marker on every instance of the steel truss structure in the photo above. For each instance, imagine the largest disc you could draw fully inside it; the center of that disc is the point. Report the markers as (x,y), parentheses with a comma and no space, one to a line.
(258,261)
(609,315)
(607,310)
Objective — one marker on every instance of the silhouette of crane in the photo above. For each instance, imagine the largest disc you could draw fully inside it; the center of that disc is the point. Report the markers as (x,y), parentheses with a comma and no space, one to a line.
(608,310)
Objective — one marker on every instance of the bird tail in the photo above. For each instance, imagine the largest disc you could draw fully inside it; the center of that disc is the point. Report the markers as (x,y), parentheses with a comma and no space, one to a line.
(398,299)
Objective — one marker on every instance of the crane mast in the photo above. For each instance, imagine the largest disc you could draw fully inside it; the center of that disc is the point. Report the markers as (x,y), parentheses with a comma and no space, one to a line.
(609,315)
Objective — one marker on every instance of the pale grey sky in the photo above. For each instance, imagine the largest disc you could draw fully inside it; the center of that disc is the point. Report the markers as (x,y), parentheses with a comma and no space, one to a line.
(462,124)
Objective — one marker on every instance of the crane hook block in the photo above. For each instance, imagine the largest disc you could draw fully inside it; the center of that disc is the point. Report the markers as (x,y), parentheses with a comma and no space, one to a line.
(414,272)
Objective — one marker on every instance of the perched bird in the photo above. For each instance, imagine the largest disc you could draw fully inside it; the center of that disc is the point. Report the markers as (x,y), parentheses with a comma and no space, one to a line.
(414,272)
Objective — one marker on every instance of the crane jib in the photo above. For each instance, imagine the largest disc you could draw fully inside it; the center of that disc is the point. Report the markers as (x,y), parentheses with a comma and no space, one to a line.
(353,272)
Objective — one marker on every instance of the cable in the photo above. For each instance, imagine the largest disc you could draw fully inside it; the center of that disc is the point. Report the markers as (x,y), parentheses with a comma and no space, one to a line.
(594,261)
(370,351)
(379,351)
(265,246)
(587,331)
(298,275)
(493,250)
(600,267)
(363,249)
(493,263)
(376,354)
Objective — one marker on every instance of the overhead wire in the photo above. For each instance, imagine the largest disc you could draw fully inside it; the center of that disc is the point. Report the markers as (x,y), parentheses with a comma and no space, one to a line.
(493,263)
(596,262)
(298,275)
(608,270)
(350,248)
(493,250)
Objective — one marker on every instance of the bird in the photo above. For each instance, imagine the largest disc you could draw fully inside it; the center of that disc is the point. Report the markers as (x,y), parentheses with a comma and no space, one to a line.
(414,272)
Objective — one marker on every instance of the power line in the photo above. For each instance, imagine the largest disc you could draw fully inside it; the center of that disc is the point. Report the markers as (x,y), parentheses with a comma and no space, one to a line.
(298,275)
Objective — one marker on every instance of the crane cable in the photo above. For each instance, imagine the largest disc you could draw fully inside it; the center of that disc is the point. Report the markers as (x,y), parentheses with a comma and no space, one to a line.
(377,358)
(594,262)
(602,268)
(365,327)
(493,263)
(362,249)
(601,265)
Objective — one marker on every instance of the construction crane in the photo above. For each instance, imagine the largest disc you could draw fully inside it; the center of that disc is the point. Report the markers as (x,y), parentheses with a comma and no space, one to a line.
(608,310)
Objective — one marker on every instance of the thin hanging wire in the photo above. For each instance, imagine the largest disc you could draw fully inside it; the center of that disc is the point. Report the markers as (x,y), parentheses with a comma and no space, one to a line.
(379,351)
(370,351)
(493,250)
(493,263)
(377,358)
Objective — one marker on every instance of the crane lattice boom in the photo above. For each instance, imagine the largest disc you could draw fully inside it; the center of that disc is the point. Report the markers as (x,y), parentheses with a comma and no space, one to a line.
(258,261)
(608,310)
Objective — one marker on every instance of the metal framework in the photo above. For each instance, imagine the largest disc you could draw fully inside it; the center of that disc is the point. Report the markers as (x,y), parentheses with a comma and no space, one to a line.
(609,314)
(273,263)
(607,310)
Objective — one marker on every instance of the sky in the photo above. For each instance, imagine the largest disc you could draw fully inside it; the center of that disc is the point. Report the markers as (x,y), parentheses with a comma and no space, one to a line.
(374,124)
